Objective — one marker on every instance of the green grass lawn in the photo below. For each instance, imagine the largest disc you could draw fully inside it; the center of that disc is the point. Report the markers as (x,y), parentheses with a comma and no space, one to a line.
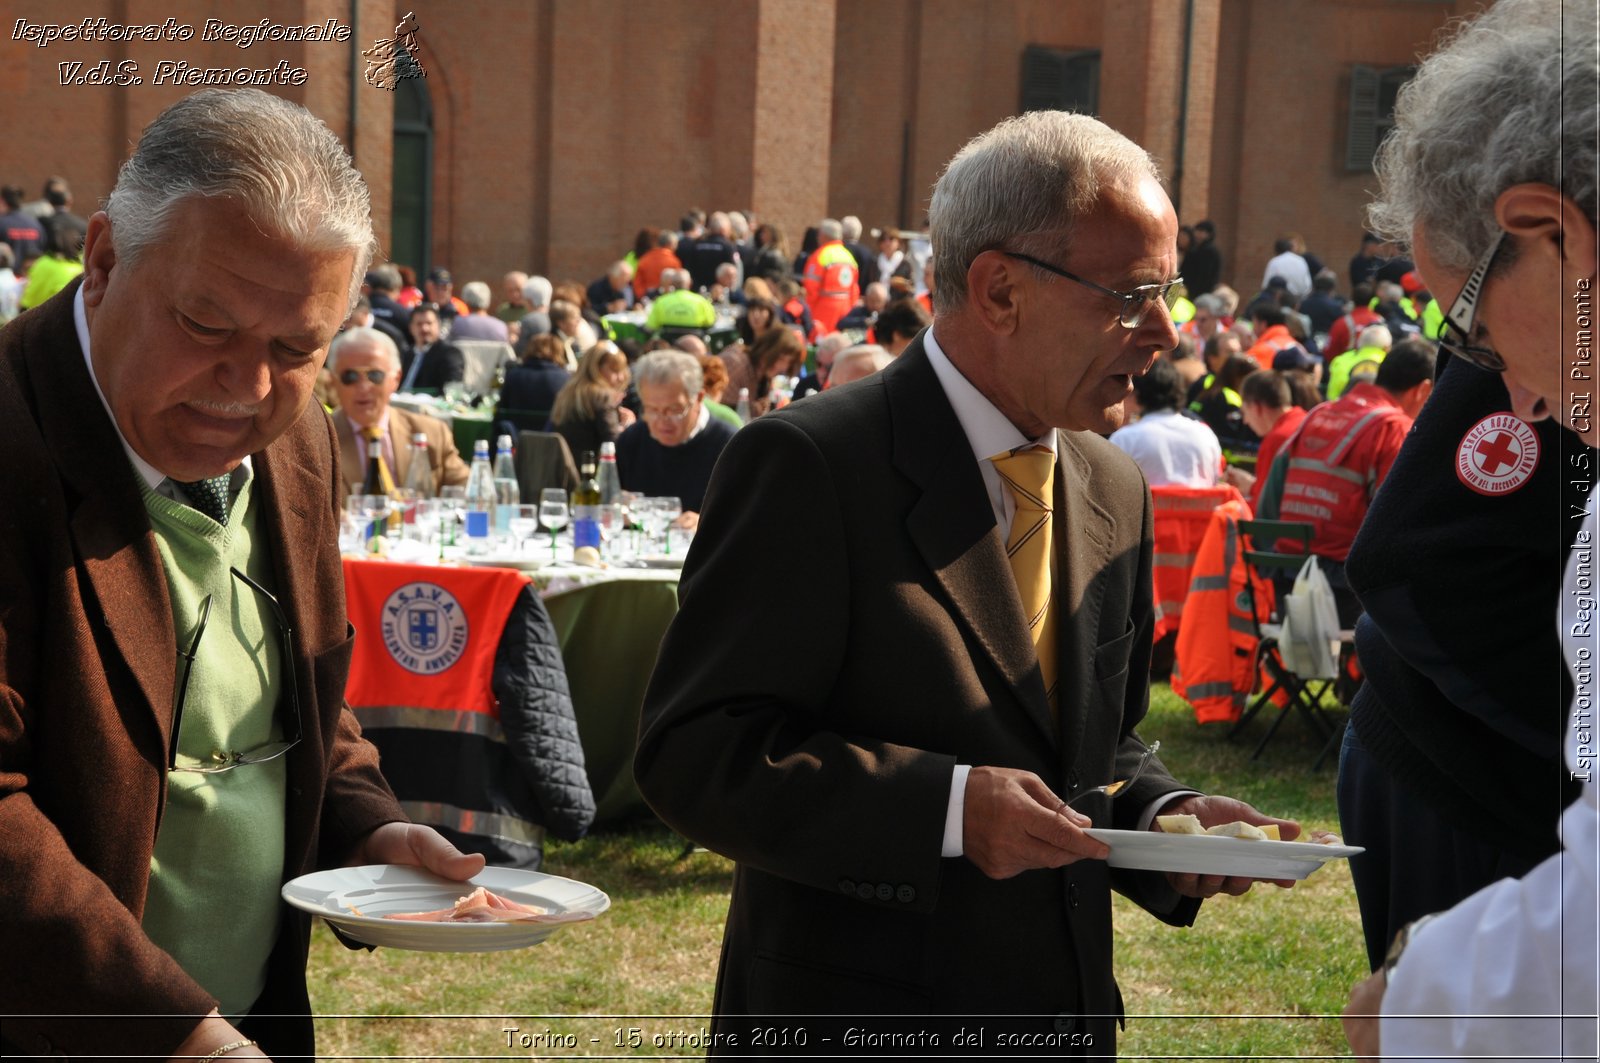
(1258,975)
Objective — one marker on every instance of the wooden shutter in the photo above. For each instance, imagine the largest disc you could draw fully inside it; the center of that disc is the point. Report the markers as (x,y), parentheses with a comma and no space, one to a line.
(1056,80)
(1361,140)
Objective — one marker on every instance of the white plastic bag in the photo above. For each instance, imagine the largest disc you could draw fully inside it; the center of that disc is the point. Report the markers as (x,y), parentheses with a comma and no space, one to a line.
(1309,642)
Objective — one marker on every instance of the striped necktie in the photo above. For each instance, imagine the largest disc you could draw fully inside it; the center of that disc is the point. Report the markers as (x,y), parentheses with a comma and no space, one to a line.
(1030,476)
(209,496)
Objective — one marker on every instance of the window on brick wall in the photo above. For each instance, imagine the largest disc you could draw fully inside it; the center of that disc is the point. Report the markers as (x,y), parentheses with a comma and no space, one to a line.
(411,185)
(1372,94)
(1057,80)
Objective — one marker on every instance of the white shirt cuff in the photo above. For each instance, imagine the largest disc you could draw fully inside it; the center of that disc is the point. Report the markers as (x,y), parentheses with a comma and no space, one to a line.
(953,813)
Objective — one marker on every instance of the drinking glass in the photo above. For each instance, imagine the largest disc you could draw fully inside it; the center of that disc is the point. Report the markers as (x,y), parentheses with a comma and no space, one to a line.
(402,503)
(523,523)
(425,520)
(668,509)
(553,513)
(611,522)
(453,513)
(371,511)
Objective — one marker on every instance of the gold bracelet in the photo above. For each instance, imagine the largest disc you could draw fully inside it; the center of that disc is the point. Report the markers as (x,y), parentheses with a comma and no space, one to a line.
(224,1050)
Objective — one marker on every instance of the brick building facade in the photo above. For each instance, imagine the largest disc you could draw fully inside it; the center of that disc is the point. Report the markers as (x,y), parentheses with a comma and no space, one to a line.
(546,132)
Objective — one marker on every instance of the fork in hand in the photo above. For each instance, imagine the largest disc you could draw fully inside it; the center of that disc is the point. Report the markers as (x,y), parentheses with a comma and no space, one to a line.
(1112,789)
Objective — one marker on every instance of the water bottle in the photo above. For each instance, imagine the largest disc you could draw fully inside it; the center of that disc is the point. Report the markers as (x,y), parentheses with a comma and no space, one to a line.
(480,499)
(743,409)
(419,474)
(506,492)
(610,481)
(586,506)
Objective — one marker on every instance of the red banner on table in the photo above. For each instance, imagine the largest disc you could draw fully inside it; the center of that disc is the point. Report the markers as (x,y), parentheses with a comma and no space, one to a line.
(426,635)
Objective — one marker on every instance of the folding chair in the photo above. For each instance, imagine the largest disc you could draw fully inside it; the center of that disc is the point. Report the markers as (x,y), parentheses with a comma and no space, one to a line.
(1305,694)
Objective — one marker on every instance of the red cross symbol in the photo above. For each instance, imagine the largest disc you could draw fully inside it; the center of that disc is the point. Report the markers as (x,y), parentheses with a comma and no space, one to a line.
(1497,452)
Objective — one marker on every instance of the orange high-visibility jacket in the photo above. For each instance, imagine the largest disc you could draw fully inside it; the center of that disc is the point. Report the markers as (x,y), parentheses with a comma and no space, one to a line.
(1215,669)
(1182,517)
(833,285)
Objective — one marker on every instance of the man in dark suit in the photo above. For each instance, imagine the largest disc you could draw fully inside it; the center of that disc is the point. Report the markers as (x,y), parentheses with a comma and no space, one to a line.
(433,362)
(161,456)
(897,807)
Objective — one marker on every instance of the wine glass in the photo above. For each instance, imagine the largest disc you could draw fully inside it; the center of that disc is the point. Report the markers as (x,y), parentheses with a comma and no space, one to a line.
(453,499)
(553,513)
(371,511)
(610,521)
(523,523)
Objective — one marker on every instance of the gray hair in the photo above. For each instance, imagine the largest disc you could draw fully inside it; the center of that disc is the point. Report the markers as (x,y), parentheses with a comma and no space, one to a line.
(832,343)
(388,278)
(362,334)
(850,227)
(476,295)
(274,159)
(1388,292)
(740,225)
(870,353)
(667,238)
(670,367)
(719,223)
(828,229)
(1375,336)
(1037,172)
(537,292)
(1209,303)
(1510,99)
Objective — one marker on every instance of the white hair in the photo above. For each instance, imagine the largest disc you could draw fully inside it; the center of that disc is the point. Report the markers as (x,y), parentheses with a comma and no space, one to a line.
(850,227)
(832,343)
(740,225)
(828,229)
(1035,173)
(1375,336)
(1209,303)
(537,292)
(360,335)
(476,295)
(1509,100)
(670,367)
(845,364)
(719,224)
(274,160)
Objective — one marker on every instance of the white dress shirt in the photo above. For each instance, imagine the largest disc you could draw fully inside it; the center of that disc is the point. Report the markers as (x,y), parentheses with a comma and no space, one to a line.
(1173,450)
(1293,269)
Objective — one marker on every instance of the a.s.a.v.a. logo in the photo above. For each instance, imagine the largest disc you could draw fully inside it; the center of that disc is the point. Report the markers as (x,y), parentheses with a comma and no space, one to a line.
(424,628)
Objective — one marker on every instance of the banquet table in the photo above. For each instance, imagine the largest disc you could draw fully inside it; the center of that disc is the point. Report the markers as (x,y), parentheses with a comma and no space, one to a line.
(609,623)
(467,424)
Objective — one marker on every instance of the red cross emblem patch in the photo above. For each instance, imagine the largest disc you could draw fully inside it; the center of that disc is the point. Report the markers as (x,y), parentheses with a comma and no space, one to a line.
(1498,454)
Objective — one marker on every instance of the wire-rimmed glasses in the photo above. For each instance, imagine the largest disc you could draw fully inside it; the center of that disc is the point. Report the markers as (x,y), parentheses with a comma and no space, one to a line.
(227,760)
(1135,304)
(1456,330)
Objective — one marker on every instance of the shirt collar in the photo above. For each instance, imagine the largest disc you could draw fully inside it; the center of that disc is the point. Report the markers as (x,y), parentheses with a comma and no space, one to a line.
(151,475)
(989,432)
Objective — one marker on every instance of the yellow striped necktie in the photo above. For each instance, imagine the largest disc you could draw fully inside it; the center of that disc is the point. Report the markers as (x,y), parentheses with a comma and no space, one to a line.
(1029,474)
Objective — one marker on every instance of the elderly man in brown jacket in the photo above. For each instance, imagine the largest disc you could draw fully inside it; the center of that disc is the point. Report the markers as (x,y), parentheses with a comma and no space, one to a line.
(173,645)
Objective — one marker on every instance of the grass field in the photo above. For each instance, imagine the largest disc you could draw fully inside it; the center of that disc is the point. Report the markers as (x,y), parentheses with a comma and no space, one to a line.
(1259,975)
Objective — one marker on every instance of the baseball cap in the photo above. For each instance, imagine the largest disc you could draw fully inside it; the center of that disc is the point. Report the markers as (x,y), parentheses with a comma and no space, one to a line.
(439,276)
(1410,283)
(1295,357)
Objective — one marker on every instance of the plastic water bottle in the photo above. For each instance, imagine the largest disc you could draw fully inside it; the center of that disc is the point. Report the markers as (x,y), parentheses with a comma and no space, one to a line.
(743,409)
(610,480)
(480,499)
(506,492)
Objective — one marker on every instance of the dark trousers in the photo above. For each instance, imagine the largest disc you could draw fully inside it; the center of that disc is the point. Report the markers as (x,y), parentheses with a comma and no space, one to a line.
(1416,862)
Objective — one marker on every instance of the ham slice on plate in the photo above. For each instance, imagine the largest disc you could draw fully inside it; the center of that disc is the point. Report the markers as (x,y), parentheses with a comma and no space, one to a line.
(481,906)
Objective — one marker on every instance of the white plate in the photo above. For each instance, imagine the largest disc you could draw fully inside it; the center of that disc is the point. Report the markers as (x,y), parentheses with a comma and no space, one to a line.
(662,560)
(1207,854)
(525,562)
(379,889)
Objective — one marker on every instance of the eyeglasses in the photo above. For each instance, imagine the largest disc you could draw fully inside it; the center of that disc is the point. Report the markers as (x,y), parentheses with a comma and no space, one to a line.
(374,376)
(1456,328)
(677,416)
(1135,304)
(222,760)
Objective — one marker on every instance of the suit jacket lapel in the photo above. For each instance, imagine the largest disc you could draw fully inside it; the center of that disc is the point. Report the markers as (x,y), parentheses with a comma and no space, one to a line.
(110,532)
(1083,548)
(953,527)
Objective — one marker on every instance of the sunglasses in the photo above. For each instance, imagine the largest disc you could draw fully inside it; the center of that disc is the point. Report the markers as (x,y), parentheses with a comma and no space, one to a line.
(374,376)
(1456,330)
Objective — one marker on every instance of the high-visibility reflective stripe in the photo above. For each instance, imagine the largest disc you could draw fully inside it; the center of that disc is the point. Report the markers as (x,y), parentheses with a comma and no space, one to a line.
(1337,471)
(1166,502)
(1175,560)
(1170,608)
(1349,438)
(1241,625)
(1208,583)
(411,718)
(468,821)
(1210,690)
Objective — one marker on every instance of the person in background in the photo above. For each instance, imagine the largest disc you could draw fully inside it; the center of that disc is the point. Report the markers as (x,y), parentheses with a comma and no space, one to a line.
(589,410)
(61,263)
(514,307)
(674,446)
(408,294)
(827,352)
(653,263)
(1364,265)
(382,284)
(1202,265)
(854,363)
(1270,413)
(439,289)
(866,264)
(536,295)
(1344,332)
(365,367)
(899,323)
(1221,409)
(891,260)
(19,230)
(1480,903)
(759,315)
(1171,448)
(832,280)
(1290,265)
(715,381)
(1359,365)
(158,435)
(772,255)
(679,306)
(433,363)
(1191,368)
(1206,321)
(477,323)
(528,396)
(1298,360)
(862,316)
(1323,306)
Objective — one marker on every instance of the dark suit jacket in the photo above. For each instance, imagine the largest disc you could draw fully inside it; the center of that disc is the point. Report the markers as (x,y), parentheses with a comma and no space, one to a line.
(448,466)
(87,661)
(441,363)
(829,786)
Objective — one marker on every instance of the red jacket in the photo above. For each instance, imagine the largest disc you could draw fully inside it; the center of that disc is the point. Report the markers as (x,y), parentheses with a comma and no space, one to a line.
(1337,461)
(1341,337)
(1271,443)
